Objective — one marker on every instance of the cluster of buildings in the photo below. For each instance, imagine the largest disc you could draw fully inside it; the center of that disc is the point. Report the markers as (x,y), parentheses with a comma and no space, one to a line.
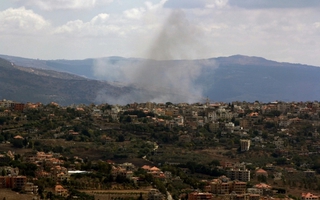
(234,184)
(10,105)
(224,188)
(246,196)
(54,170)
(127,169)
(184,114)
(50,166)
(11,179)
(236,118)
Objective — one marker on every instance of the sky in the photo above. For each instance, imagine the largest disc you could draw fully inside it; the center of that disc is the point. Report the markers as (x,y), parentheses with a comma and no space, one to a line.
(285,31)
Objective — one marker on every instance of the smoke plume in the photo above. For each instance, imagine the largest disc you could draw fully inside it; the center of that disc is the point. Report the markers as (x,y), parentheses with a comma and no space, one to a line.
(169,74)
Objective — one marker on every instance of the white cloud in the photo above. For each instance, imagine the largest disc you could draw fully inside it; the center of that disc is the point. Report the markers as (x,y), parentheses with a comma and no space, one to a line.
(316,24)
(216,3)
(140,23)
(22,21)
(71,26)
(65,4)
(98,26)
(129,28)
(192,4)
(100,19)
(280,34)
(185,4)
(267,4)
(134,13)
(151,6)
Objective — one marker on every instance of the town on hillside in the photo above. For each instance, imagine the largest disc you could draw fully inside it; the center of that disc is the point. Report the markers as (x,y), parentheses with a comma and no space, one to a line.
(158,151)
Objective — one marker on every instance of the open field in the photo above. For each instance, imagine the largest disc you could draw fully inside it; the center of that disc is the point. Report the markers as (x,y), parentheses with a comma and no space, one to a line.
(12,195)
(112,194)
(175,154)
(4,147)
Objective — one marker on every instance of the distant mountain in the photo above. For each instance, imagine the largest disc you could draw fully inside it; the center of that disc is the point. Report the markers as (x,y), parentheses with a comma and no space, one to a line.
(82,68)
(234,78)
(38,85)
(253,78)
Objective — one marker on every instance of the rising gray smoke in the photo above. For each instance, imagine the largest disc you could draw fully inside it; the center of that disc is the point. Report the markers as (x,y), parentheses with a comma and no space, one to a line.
(165,76)
(178,39)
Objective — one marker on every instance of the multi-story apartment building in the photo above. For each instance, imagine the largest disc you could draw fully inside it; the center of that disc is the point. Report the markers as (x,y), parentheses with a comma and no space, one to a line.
(18,181)
(239,187)
(245,145)
(223,185)
(12,181)
(239,174)
(245,123)
(199,196)
(6,103)
(218,186)
(18,106)
(30,188)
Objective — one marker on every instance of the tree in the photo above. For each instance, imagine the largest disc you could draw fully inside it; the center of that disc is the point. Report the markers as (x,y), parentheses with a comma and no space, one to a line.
(49,195)
(168,103)
(86,133)
(262,178)
(25,142)
(128,119)
(18,143)
(281,161)
(4,172)
(215,163)
(121,138)
(3,120)
(140,196)
(269,125)
(264,135)
(1,138)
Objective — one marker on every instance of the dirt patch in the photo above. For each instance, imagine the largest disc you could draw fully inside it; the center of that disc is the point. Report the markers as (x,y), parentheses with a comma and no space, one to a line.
(11,195)
(216,154)
(4,147)
(112,194)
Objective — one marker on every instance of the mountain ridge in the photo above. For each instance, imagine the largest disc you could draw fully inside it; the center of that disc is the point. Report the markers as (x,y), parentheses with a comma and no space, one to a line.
(238,57)
(26,86)
(233,78)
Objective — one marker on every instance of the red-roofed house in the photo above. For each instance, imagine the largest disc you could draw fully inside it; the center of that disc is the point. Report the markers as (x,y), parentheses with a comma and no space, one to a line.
(18,137)
(263,188)
(309,196)
(261,172)
(146,167)
(199,196)
(59,190)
